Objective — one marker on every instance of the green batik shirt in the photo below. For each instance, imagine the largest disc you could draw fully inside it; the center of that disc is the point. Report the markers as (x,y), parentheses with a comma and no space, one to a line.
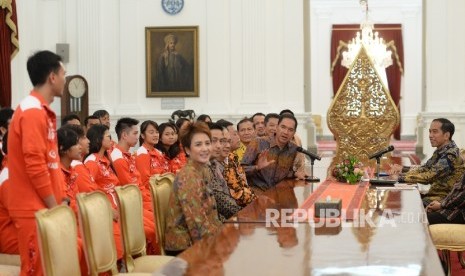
(192,212)
(442,171)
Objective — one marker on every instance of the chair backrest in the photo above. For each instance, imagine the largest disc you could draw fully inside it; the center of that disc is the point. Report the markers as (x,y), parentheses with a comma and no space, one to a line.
(161,187)
(96,223)
(131,221)
(57,232)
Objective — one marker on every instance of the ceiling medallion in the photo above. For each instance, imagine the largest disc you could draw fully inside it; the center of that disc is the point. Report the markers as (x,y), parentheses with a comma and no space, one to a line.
(172,6)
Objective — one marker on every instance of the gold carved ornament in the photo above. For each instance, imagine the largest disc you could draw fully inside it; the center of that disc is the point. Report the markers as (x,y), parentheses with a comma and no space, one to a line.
(7,4)
(362,115)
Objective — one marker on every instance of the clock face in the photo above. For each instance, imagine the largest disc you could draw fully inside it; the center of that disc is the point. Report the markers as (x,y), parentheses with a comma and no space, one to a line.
(172,6)
(77,87)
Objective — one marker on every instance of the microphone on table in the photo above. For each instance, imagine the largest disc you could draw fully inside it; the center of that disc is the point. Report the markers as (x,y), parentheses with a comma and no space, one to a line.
(310,154)
(381,152)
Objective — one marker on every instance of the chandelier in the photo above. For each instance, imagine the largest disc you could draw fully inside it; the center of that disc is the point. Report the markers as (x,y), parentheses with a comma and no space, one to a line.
(373,44)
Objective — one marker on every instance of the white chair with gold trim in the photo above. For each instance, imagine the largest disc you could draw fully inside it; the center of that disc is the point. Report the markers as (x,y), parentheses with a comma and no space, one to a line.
(132,228)
(161,187)
(57,233)
(446,238)
(449,237)
(10,265)
(9,270)
(96,223)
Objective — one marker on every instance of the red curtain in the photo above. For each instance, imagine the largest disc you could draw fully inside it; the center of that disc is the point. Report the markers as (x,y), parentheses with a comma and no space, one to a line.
(9,46)
(392,35)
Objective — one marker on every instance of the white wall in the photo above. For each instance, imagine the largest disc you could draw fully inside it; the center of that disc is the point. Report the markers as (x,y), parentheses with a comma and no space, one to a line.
(445,68)
(250,53)
(325,13)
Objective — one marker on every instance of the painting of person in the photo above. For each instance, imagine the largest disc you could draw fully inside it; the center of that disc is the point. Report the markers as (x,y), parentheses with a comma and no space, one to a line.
(172,61)
(173,71)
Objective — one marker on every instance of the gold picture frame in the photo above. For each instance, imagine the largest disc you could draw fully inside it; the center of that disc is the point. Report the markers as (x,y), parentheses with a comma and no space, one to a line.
(172,64)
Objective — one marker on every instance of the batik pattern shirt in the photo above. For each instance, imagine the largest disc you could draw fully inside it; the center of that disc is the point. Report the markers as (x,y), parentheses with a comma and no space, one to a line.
(271,175)
(454,203)
(442,171)
(240,151)
(192,211)
(227,206)
(235,177)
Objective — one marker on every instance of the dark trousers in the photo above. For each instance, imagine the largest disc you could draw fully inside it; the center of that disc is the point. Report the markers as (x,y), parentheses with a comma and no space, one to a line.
(173,253)
(438,218)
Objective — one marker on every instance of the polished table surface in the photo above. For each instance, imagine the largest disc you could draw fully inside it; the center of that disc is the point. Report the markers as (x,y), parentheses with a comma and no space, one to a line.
(391,239)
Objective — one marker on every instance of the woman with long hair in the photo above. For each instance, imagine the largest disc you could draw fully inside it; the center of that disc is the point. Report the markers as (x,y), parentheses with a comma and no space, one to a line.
(170,146)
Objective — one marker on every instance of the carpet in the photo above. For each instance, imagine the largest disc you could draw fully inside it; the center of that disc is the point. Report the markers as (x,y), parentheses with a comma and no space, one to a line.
(456,268)
(351,195)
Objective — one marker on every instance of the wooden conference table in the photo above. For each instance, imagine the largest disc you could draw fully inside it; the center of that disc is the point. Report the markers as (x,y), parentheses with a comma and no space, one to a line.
(394,240)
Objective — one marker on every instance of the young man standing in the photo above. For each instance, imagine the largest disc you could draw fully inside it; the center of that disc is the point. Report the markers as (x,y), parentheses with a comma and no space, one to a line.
(33,156)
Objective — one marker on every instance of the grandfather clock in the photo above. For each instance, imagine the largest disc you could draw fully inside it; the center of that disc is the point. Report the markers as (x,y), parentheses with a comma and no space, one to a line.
(75,99)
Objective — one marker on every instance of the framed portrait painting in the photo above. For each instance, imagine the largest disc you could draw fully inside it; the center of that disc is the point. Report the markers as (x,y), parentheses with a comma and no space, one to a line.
(172,65)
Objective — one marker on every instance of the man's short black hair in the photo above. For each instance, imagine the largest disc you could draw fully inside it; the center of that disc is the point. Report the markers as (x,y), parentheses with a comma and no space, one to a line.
(257,114)
(286,111)
(212,126)
(101,113)
(271,116)
(446,126)
(41,64)
(224,123)
(68,118)
(288,116)
(86,120)
(243,121)
(124,124)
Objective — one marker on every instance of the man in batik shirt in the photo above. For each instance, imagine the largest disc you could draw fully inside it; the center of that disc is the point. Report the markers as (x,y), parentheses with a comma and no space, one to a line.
(451,209)
(268,161)
(247,134)
(227,205)
(443,169)
(233,173)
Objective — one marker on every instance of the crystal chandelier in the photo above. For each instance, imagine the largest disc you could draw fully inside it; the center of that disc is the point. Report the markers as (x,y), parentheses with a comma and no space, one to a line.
(374,45)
